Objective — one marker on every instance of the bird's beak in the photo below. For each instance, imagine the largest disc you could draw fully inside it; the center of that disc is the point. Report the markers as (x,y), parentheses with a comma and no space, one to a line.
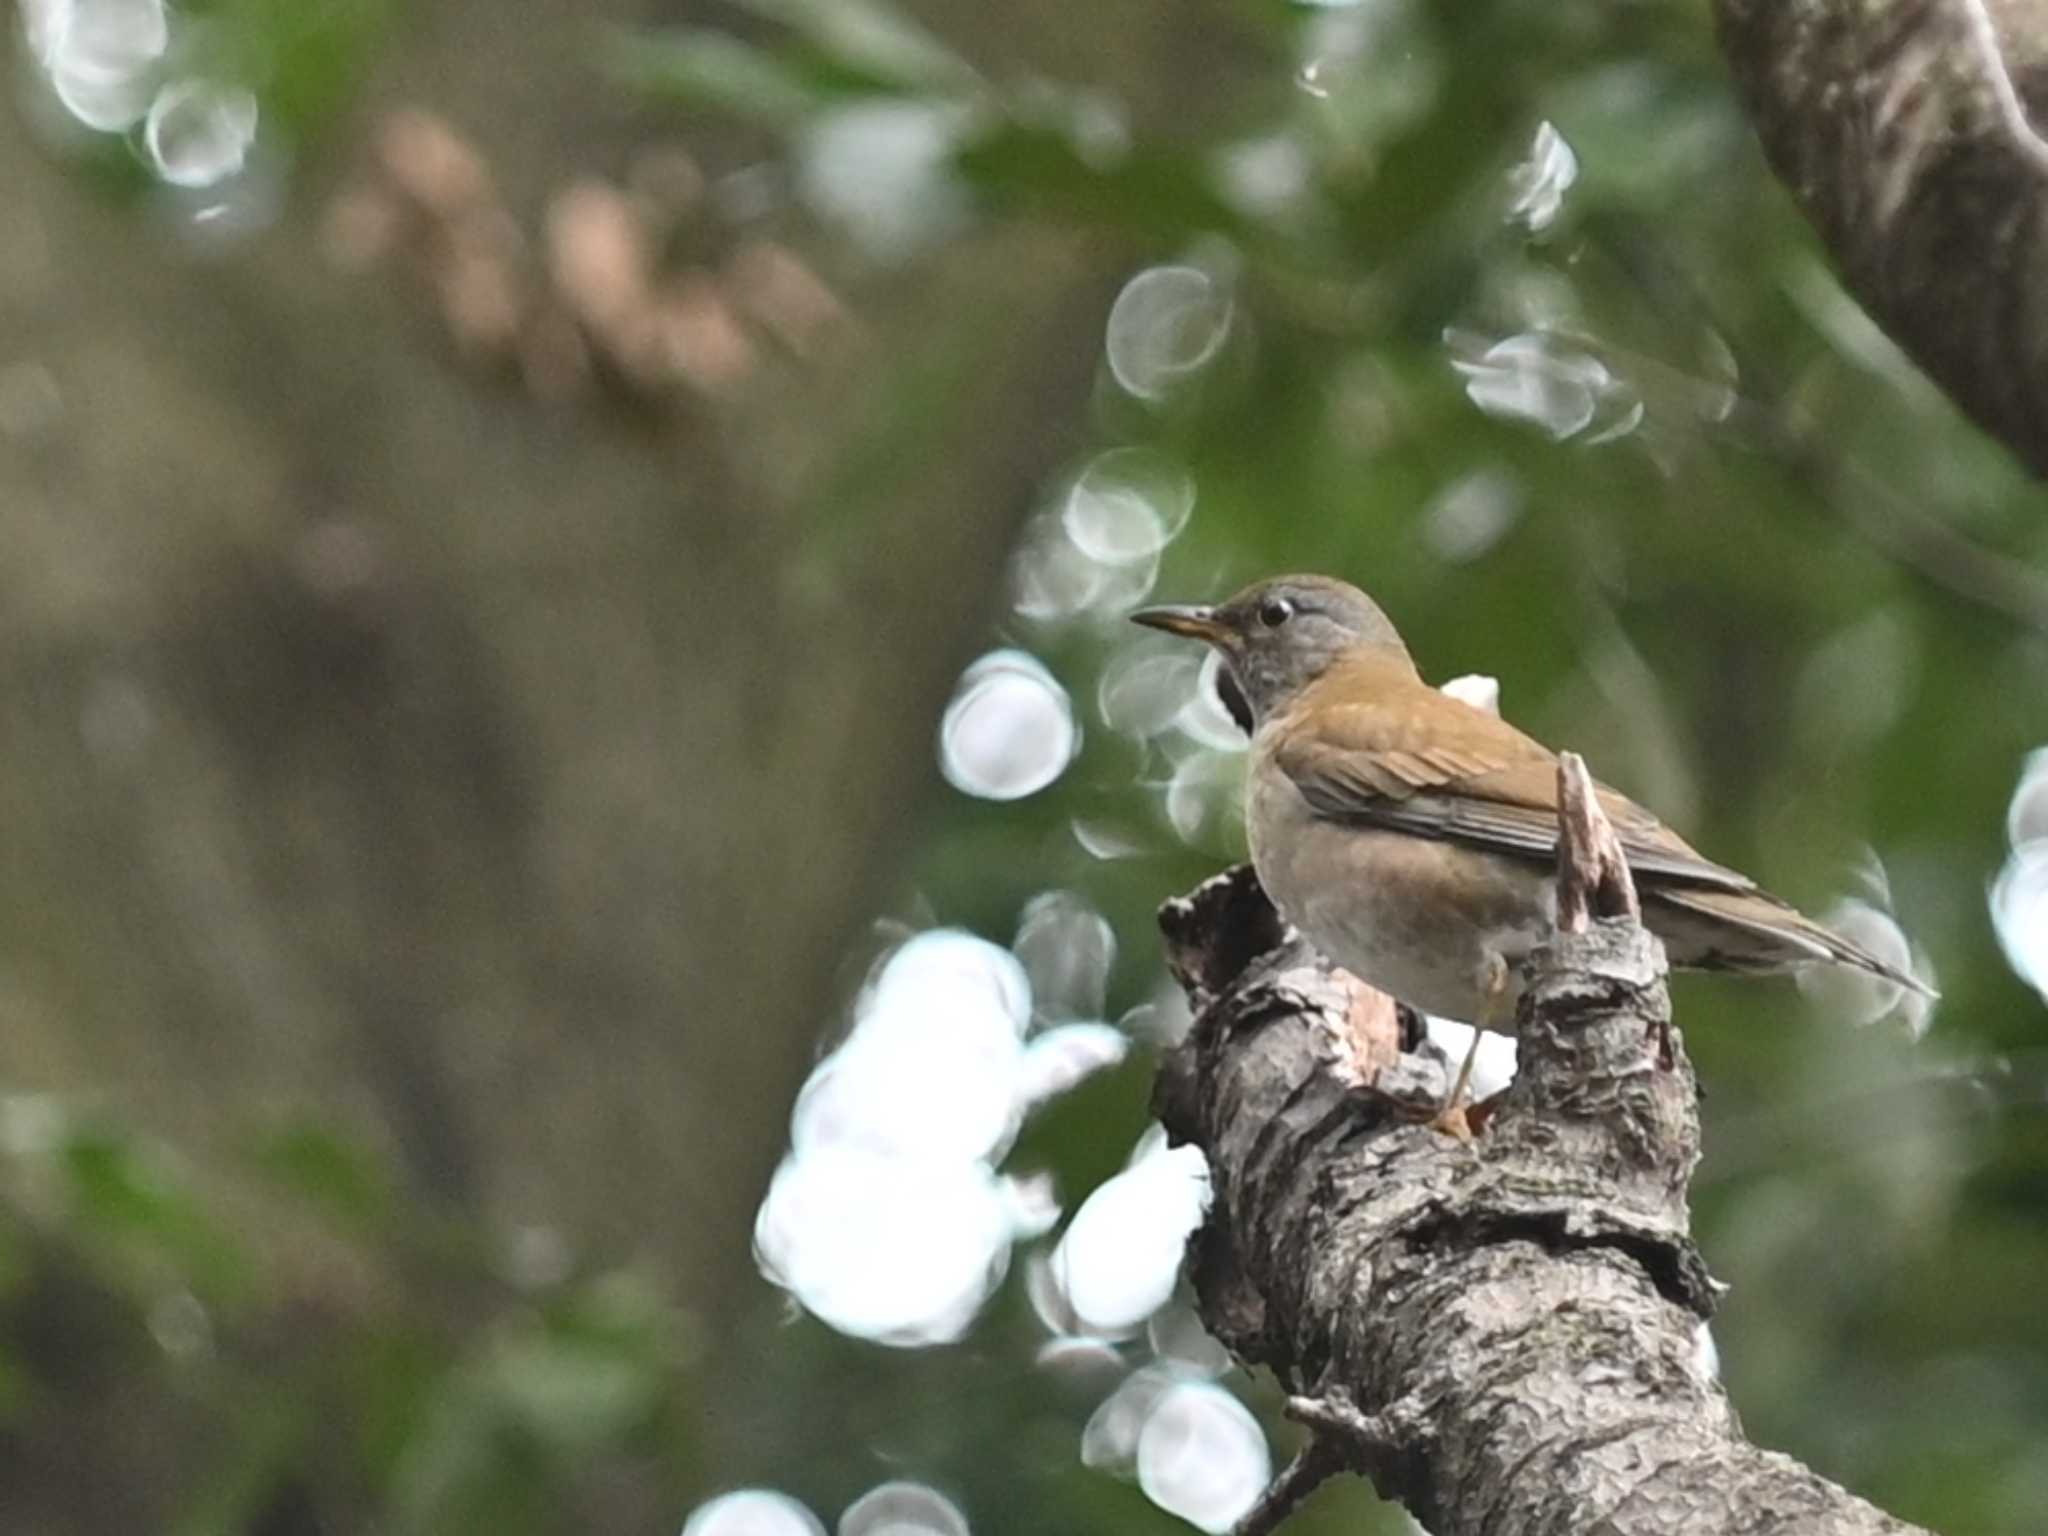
(1194,621)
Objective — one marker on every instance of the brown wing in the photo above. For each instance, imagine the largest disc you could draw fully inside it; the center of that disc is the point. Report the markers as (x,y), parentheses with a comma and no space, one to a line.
(1471,778)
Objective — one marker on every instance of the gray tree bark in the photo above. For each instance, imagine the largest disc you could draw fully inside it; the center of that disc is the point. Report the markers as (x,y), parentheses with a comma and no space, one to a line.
(1505,1335)
(1906,131)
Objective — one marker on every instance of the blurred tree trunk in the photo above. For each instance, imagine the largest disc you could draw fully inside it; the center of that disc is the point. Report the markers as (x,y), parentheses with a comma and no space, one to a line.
(507,777)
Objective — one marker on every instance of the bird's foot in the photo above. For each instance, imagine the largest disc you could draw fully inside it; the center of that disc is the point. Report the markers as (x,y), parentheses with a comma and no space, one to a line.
(1452,1117)
(1466,1120)
(1455,1121)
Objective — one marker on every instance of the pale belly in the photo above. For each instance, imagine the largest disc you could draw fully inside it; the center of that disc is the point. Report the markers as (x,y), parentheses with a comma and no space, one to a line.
(1420,920)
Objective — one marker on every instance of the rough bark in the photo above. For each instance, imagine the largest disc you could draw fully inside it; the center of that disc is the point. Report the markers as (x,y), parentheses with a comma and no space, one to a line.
(1905,130)
(1505,1335)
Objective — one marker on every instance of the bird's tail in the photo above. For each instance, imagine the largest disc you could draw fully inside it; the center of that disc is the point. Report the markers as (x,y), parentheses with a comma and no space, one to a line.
(1748,931)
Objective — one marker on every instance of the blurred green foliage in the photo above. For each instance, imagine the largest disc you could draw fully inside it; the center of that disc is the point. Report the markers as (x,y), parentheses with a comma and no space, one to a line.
(305,1345)
(305,57)
(1764,610)
(1751,611)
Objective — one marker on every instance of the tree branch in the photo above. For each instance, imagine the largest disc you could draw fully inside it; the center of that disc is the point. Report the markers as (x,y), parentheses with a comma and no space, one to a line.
(1905,132)
(1503,1336)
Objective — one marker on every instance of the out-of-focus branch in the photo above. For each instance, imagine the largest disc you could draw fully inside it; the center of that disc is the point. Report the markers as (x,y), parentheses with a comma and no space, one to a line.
(1905,132)
(1505,1336)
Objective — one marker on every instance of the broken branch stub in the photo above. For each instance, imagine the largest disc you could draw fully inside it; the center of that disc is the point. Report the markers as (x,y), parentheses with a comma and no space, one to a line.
(1592,871)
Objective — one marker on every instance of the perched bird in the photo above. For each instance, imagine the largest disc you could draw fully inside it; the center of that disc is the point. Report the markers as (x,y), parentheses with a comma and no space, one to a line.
(1413,838)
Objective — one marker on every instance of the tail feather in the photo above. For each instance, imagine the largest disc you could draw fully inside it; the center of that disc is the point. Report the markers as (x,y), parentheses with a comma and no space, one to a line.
(1751,931)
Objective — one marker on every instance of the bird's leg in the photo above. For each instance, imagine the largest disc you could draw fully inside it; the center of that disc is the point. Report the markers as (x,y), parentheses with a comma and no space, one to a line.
(1451,1118)
(1454,1101)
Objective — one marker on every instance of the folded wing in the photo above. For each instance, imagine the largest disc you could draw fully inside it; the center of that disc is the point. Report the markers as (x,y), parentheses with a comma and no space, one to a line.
(1471,778)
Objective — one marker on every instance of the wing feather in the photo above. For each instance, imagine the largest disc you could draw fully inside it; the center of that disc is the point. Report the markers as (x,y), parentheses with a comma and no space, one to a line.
(1472,779)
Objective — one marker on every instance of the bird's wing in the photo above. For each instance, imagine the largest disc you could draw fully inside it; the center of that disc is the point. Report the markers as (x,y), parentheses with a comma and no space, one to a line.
(1468,777)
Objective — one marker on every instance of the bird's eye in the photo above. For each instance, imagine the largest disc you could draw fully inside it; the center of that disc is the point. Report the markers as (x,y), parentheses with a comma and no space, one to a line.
(1275,611)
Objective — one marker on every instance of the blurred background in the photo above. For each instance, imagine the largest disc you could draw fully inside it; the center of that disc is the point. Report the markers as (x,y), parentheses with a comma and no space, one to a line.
(582,818)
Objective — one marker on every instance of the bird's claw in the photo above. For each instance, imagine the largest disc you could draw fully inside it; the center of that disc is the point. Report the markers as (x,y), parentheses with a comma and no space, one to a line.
(1454,1121)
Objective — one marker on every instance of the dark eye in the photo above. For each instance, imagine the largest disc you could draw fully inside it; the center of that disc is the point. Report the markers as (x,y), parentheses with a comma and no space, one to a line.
(1275,611)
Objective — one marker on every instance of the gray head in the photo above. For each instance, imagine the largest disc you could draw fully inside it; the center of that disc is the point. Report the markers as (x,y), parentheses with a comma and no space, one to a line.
(1280,635)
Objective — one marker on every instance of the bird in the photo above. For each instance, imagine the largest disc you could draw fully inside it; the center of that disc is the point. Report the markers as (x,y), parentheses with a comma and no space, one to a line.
(1412,837)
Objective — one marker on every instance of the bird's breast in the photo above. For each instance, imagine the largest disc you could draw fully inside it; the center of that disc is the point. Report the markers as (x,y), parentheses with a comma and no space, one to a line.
(1415,917)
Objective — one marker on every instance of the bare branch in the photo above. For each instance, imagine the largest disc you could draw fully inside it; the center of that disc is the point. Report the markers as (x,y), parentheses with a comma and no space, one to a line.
(1315,1464)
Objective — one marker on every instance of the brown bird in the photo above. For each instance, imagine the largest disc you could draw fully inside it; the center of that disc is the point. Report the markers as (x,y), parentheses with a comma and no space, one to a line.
(1413,838)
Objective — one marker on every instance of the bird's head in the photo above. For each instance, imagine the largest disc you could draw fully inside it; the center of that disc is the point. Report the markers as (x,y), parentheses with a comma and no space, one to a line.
(1278,636)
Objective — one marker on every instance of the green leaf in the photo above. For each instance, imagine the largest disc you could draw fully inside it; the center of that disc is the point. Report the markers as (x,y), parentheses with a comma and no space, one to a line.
(701,68)
(1039,167)
(303,59)
(129,1191)
(872,39)
(342,1179)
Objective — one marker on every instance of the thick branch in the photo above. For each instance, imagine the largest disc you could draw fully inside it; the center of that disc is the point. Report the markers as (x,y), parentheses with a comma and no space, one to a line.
(1906,132)
(1504,1336)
